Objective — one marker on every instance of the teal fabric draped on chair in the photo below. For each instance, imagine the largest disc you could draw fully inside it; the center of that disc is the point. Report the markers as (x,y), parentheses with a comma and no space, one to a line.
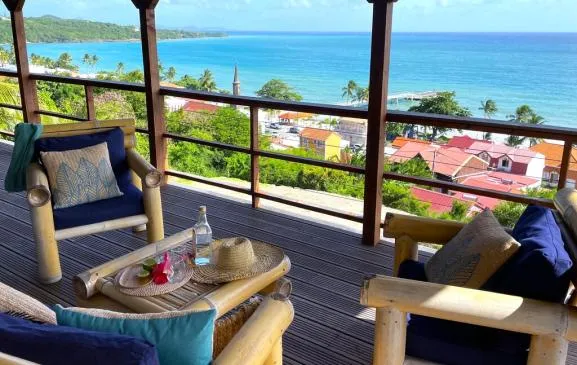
(24,137)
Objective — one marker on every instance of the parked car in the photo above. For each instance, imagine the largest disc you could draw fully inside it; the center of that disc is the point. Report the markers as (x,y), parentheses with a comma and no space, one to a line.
(274,126)
(295,130)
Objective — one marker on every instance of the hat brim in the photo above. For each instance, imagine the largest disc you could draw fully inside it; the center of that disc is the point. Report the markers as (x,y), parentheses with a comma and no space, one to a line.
(267,257)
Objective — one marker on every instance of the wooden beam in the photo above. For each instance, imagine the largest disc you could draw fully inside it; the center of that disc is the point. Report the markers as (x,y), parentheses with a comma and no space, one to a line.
(378,87)
(154,101)
(145,4)
(565,161)
(89,96)
(14,5)
(254,163)
(27,86)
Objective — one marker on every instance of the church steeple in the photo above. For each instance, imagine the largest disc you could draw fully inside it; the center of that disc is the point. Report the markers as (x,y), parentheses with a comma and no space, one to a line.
(236,82)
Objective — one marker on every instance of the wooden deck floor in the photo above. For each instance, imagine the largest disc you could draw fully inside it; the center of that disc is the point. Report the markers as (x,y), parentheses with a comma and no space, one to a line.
(330,326)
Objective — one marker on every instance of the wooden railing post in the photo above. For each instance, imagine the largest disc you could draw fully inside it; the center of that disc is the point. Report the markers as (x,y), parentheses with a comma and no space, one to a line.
(378,88)
(254,160)
(28,95)
(89,96)
(154,101)
(565,161)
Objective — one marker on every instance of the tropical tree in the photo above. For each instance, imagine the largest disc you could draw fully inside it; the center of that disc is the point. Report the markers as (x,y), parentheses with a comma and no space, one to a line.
(278,89)
(206,81)
(65,61)
(4,56)
(120,68)
(443,103)
(170,74)
(189,82)
(524,114)
(349,90)
(361,95)
(489,108)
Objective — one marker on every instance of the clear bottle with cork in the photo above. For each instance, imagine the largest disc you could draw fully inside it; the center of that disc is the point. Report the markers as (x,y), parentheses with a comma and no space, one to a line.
(203,237)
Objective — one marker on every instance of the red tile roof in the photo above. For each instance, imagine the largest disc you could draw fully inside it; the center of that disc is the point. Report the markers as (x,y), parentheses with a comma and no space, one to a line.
(198,106)
(440,203)
(462,141)
(501,181)
(496,150)
(317,134)
(440,159)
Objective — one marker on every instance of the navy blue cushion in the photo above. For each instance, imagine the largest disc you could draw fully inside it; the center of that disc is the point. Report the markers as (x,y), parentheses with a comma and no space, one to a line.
(99,211)
(113,138)
(455,343)
(61,345)
(541,268)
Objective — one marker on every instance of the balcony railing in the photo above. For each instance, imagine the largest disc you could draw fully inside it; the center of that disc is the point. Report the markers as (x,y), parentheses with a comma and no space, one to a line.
(376,113)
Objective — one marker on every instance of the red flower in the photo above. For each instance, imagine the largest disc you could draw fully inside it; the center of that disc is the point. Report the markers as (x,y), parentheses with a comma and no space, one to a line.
(161,270)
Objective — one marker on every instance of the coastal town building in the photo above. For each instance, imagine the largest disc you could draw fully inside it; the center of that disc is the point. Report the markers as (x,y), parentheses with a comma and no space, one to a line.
(236,82)
(443,203)
(293,117)
(516,160)
(353,130)
(399,142)
(446,163)
(324,142)
(195,106)
(553,153)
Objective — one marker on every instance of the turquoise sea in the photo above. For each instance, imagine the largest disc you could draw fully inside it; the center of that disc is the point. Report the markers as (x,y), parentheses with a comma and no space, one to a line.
(511,68)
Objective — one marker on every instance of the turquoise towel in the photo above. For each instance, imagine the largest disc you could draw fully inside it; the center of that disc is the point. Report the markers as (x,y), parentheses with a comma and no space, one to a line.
(24,137)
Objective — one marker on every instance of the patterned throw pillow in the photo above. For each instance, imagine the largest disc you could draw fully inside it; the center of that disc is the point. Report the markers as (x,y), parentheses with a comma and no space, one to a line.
(80,176)
(473,255)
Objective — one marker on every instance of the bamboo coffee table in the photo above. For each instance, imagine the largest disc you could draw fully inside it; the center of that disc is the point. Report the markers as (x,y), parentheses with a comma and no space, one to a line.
(95,288)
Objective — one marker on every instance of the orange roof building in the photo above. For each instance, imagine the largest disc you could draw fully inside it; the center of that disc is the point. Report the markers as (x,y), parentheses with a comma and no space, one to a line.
(399,142)
(294,116)
(553,154)
(322,141)
(199,106)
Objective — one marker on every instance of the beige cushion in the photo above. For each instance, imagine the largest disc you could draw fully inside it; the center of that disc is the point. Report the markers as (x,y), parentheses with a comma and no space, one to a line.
(473,255)
(80,176)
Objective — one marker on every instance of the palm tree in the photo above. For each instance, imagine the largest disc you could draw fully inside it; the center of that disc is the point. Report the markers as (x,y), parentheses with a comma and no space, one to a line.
(535,119)
(170,74)
(361,95)
(489,108)
(86,59)
(349,90)
(120,68)
(207,82)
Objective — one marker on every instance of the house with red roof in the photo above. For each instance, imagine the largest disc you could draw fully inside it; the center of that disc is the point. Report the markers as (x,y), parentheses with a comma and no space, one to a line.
(443,203)
(553,153)
(446,163)
(516,160)
(199,106)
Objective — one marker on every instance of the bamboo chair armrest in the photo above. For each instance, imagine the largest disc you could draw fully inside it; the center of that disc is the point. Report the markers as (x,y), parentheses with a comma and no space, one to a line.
(255,340)
(6,359)
(471,306)
(38,190)
(421,229)
(150,176)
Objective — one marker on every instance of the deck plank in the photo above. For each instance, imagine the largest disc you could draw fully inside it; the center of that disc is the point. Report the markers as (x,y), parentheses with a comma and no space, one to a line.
(330,326)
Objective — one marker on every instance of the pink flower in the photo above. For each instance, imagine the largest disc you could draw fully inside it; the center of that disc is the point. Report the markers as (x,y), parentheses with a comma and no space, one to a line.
(161,271)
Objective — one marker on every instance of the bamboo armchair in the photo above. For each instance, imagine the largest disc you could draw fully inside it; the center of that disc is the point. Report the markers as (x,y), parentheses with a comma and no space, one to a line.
(144,176)
(259,340)
(550,325)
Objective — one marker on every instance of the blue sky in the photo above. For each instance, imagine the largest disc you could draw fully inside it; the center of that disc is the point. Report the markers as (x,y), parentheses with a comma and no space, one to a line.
(329,15)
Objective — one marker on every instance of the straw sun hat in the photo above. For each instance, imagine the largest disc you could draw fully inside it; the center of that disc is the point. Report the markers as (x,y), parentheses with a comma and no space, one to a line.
(237,258)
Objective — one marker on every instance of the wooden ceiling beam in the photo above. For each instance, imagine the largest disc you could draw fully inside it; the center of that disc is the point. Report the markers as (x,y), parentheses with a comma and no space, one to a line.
(142,4)
(14,5)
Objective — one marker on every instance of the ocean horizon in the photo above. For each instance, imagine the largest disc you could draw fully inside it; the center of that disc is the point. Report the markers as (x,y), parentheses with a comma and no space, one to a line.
(538,69)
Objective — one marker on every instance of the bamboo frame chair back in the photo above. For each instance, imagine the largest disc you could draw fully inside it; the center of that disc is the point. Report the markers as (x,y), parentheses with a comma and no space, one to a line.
(128,126)
(566,216)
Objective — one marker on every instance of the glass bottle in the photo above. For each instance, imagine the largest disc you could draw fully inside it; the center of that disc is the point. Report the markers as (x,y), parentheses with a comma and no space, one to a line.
(203,238)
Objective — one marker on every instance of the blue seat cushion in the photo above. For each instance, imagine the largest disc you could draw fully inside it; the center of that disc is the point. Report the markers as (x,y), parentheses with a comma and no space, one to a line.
(114,138)
(61,345)
(129,204)
(541,268)
(454,343)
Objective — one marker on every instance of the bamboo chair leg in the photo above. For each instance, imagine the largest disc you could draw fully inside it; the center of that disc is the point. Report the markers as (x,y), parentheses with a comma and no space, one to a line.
(140,228)
(390,336)
(153,210)
(405,249)
(550,350)
(275,356)
(49,269)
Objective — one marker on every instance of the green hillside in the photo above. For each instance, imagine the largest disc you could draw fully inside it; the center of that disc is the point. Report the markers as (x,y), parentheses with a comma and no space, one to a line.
(51,29)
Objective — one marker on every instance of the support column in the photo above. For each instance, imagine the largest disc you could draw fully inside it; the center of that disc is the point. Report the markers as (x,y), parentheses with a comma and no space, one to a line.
(154,101)
(378,88)
(28,96)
